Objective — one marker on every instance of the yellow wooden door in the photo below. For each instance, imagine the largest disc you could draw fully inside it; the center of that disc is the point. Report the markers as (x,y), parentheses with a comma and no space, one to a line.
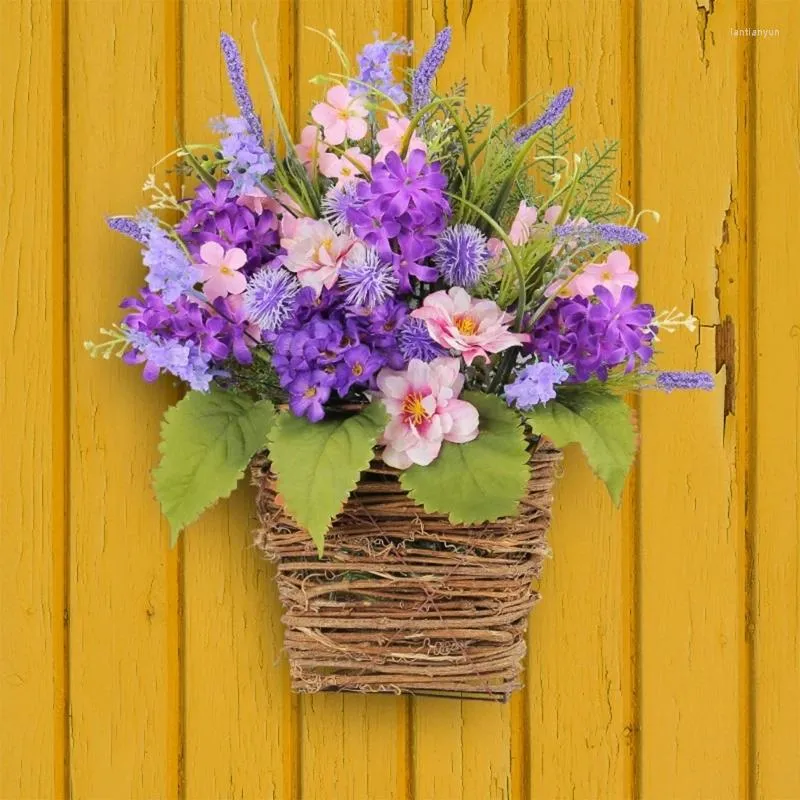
(664,658)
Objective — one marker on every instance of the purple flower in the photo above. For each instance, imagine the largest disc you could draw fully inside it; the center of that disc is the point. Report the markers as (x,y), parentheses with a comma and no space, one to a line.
(367,279)
(535,384)
(414,341)
(552,114)
(462,255)
(415,187)
(248,161)
(233,61)
(127,227)
(170,271)
(184,360)
(669,381)
(337,204)
(269,297)
(375,67)
(307,393)
(600,232)
(358,366)
(427,69)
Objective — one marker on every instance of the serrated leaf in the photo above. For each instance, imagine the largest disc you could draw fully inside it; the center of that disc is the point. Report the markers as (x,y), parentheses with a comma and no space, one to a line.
(601,423)
(318,464)
(479,481)
(207,441)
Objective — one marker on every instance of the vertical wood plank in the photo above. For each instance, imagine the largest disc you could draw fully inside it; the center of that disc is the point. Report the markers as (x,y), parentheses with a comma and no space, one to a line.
(240,730)
(351,746)
(464,749)
(119,645)
(691,624)
(33,465)
(777,399)
(578,684)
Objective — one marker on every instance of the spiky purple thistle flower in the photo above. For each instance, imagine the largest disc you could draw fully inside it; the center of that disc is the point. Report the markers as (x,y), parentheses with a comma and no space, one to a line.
(427,69)
(367,279)
(462,255)
(233,61)
(552,114)
(669,381)
(414,341)
(127,227)
(337,203)
(600,232)
(269,297)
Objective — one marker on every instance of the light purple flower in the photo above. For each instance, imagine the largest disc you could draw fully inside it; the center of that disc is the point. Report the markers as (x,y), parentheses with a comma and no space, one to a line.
(552,114)
(269,297)
(462,255)
(535,384)
(375,65)
(367,279)
(233,61)
(600,232)
(170,271)
(669,381)
(248,161)
(427,69)
(127,227)
(414,341)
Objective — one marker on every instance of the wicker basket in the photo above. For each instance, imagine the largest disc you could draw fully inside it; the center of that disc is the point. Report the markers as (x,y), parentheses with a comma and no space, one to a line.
(404,601)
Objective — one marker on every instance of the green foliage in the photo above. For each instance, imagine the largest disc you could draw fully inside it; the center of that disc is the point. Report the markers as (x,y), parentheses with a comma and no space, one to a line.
(594,197)
(479,481)
(207,440)
(257,378)
(318,464)
(552,146)
(601,423)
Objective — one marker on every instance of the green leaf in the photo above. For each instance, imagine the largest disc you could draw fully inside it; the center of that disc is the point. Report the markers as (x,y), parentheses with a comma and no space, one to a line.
(479,481)
(601,423)
(318,464)
(207,441)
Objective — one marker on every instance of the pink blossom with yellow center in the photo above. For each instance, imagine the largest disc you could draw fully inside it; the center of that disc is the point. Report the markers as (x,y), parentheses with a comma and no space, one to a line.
(342,116)
(613,274)
(344,168)
(311,146)
(391,137)
(220,269)
(424,410)
(314,251)
(473,328)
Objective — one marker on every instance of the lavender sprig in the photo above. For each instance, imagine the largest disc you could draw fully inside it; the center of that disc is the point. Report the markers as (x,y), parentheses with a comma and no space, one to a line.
(669,381)
(127,227)
(233,61)
(552,114)
(427,69)
(599,232)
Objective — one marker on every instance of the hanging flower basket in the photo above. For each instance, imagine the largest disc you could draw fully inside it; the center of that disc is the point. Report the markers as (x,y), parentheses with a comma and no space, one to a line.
(404,601)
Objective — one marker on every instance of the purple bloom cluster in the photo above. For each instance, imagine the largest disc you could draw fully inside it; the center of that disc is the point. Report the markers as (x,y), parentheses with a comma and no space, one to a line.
(535,384)
(233,61)
(375,67)
(552,114)
(427,69)
(669,381)
(183,338)
(403,204)
(170,272)
(127,227)
(215,216)
(248,161)
(326,346)
(600,232)
(593,337)
(462,255)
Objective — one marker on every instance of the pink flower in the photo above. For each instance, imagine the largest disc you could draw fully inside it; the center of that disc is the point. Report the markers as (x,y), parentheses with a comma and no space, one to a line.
(343,169)
(424,411)
(521,226)
(472,327)
(221,275)
(311,146)
(314,252)
(614,274)
(342,116)
(390,138)
(256,200)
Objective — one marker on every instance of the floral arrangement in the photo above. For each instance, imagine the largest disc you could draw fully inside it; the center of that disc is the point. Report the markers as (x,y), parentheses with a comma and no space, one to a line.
(411,275)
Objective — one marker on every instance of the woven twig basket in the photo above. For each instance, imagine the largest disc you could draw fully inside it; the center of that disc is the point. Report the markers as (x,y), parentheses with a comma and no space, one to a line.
(404,601)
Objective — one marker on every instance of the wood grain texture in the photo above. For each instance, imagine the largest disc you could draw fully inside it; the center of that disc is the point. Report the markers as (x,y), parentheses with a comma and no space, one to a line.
(32,467)
(665,654)
(691,621)
(776,440)
(119,655)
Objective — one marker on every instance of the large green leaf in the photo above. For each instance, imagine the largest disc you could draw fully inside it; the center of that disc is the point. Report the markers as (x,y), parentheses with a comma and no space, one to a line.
(601,423)
(318,464)
(207,440)
(479,481)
